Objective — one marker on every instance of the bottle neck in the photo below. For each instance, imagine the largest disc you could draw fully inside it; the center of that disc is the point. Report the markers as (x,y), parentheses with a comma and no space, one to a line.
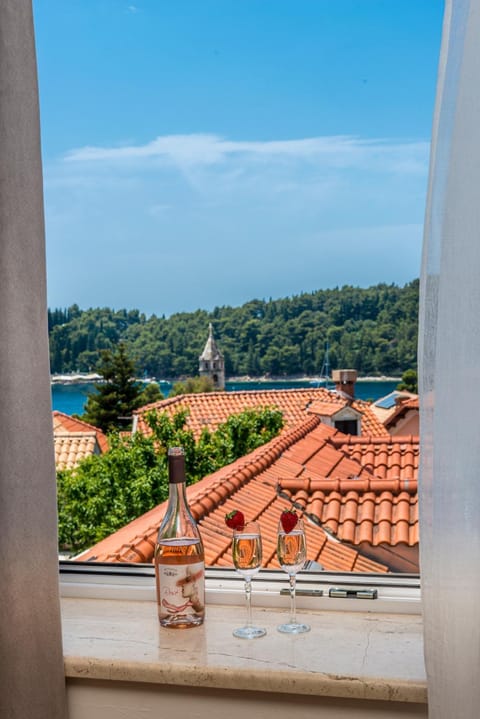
(177,494)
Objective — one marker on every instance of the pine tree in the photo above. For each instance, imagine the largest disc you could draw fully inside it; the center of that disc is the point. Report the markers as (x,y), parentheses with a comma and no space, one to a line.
(112,402)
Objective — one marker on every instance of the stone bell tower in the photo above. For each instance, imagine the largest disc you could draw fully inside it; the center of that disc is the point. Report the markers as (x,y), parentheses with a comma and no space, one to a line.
(211,362)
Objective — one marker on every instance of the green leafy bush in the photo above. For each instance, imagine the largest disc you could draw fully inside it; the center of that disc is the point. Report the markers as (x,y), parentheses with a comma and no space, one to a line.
(107,491)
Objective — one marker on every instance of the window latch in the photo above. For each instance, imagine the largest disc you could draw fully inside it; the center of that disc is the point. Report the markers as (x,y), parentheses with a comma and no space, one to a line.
(304,592)
(337,592)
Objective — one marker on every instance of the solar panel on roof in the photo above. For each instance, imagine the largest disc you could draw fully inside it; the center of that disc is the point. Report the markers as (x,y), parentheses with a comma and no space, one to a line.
(387,402)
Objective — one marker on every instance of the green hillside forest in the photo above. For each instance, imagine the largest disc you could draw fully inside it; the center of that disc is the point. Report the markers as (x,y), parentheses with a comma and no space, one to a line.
(373,330)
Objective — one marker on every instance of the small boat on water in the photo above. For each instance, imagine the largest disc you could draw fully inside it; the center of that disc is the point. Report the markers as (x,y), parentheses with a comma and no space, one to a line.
(321,382)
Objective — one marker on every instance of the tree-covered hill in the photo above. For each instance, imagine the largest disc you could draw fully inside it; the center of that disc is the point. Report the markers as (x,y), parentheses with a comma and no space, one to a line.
(373,330)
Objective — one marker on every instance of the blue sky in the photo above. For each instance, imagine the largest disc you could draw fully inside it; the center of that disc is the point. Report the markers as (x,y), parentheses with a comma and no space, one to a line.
(200,153)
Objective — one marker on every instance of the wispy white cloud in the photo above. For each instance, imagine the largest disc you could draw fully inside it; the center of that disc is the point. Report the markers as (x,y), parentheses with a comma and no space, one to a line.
(197,150)
(288,204)
(133,9)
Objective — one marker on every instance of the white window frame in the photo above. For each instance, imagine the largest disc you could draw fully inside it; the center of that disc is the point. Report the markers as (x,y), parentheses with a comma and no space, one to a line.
(396,593)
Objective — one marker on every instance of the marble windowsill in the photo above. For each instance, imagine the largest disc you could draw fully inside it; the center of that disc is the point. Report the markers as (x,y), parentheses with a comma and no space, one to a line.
(346,654)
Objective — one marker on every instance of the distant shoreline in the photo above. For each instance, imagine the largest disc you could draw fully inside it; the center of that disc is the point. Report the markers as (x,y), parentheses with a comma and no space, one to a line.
(295,378)
(89,378)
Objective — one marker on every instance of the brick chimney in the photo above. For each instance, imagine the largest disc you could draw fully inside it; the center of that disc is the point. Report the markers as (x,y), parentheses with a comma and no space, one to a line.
(345,381)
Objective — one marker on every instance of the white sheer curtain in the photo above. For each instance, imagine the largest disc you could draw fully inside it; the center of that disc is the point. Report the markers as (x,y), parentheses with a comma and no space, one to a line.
(32,681)
(449,362)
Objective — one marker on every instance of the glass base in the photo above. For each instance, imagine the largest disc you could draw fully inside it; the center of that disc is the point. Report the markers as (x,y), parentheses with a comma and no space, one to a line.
(293,628)
(249,632)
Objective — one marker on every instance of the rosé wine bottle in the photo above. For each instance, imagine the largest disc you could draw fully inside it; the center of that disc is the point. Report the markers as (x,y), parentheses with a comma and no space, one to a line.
(179,556)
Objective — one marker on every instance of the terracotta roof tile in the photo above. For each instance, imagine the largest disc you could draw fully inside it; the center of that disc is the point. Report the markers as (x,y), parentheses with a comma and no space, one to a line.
(402,409)
(389,457)
(326,409)
(209,409)
(250,484)
(374,511)
(65,423)
(72,447)
(371,425)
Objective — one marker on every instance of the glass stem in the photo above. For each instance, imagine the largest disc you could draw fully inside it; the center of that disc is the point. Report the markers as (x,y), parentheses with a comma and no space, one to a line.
(248,600)
(293,611)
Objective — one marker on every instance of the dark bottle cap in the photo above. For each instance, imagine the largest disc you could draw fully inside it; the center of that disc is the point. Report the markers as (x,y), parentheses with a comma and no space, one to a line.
(176,465)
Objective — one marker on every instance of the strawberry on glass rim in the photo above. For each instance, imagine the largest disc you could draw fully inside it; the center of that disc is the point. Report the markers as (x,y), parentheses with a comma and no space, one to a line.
(235,519)
(288,519)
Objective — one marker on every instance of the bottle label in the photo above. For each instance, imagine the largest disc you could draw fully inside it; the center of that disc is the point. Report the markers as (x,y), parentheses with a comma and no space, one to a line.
(182,588)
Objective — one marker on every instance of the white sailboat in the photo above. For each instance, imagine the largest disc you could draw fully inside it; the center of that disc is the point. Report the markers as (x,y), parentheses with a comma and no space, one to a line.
(325,379)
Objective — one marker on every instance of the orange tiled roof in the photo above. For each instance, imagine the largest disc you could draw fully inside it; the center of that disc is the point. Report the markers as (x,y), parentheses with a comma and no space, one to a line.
(401,410)
(374,511)
(74,440)
(384,413)
(325,408)
(65,423)
(209,409)
(309,465)
(378,505)
(384,457)
(72,447)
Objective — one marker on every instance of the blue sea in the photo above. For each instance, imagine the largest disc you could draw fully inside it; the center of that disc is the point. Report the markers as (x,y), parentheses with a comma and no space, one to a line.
(71,398)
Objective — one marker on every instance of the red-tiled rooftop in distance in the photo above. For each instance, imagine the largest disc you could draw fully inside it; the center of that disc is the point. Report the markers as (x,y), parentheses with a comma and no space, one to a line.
(402,410)
(72,447)
(307,465)
(325,409)
(74,440)
(391,402)
(209,409)
(65,423)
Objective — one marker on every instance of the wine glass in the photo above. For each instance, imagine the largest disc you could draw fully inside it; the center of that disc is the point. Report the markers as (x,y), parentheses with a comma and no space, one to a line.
(247,559)
(292,553)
